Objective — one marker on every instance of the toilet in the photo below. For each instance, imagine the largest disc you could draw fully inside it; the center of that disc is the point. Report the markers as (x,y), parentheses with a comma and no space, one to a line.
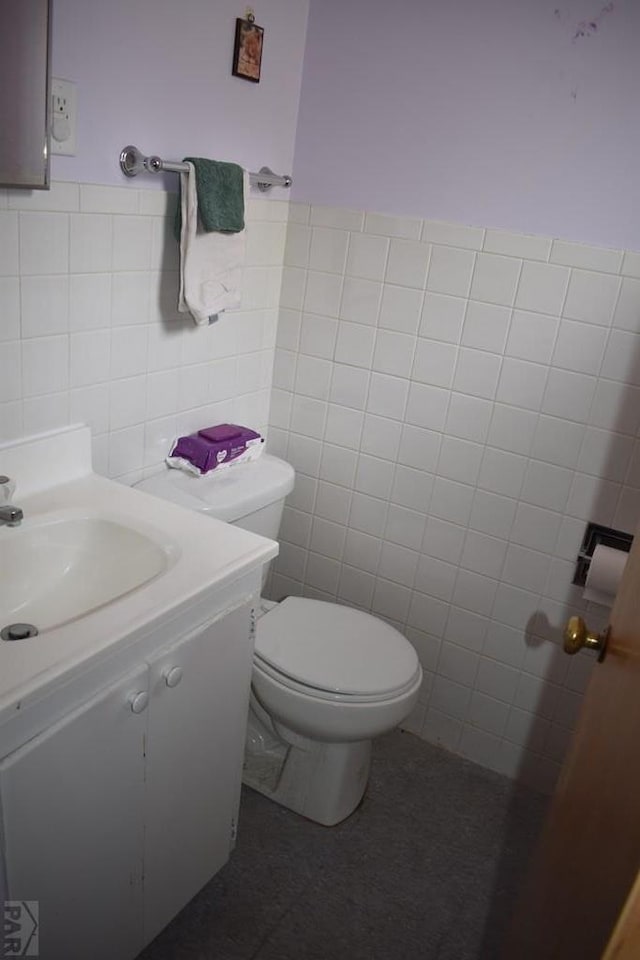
(326,678)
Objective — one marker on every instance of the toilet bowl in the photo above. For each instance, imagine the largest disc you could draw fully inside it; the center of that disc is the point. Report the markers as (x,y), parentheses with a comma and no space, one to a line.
(326,678)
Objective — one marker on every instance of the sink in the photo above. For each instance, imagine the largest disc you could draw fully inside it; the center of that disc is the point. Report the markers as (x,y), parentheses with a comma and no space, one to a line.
(58,569)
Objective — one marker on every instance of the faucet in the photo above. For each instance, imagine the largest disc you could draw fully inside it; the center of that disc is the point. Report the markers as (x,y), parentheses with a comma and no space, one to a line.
(9,515)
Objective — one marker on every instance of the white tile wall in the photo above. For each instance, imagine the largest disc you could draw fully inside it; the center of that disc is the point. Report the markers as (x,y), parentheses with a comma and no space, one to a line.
(89,329)
(457,403)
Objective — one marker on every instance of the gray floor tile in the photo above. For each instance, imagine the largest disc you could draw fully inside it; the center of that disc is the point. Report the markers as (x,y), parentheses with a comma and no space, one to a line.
(427,868)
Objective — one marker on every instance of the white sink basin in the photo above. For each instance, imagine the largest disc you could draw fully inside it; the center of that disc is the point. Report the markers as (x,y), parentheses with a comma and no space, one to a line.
(59,569)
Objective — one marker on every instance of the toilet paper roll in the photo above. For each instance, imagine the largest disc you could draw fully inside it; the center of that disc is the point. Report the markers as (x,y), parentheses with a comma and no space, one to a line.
(604,576)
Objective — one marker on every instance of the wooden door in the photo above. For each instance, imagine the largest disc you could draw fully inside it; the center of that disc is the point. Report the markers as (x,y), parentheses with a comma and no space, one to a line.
(588,857)
(73,827)
(197,722)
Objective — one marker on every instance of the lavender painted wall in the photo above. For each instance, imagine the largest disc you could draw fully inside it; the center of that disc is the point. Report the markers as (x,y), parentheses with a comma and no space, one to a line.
(158,74)
(519,114)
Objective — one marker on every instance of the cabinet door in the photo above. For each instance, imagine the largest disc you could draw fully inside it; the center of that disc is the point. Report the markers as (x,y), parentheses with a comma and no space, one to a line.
(197,722)
(73,828)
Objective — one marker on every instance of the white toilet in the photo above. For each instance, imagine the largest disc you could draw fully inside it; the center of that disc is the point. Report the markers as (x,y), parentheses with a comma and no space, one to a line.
(326,678)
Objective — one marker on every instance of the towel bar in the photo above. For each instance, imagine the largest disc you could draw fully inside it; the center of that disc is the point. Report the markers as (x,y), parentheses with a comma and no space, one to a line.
(133,162)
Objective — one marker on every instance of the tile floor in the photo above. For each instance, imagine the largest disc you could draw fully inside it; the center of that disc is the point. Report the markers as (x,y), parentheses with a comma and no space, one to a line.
(426,869)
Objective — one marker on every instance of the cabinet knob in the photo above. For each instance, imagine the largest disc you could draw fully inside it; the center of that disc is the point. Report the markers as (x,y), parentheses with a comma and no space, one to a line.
(139,701)
(173,676)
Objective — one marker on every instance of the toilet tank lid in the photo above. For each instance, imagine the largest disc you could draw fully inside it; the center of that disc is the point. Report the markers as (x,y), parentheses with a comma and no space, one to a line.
(228,494)
(335,648)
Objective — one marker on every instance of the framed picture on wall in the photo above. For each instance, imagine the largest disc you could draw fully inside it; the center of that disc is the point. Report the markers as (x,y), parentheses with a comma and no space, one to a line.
(247,50)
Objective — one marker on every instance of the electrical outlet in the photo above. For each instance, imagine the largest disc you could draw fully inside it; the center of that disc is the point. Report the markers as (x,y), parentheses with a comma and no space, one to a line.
(63,117)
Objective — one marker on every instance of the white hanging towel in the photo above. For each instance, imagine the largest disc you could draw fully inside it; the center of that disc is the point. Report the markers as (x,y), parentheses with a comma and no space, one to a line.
(210,263)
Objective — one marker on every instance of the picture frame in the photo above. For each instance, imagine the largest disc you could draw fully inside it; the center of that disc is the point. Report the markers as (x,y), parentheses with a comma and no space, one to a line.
(247,50)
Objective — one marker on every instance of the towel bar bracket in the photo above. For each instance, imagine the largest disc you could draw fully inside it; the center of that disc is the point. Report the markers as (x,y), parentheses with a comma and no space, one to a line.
(133,162)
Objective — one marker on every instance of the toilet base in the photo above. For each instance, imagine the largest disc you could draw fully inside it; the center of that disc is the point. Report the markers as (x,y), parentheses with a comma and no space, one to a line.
(323,782)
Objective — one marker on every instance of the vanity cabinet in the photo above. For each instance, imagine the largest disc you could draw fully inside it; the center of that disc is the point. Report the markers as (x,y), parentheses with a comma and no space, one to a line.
(118,814)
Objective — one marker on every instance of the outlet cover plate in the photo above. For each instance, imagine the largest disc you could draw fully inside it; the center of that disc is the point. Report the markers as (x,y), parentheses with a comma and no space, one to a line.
(63,117)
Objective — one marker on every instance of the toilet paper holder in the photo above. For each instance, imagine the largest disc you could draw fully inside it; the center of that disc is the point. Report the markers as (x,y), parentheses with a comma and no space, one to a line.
(596,534)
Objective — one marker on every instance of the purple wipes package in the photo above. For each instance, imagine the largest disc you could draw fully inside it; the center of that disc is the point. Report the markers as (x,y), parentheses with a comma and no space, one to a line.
(214,447)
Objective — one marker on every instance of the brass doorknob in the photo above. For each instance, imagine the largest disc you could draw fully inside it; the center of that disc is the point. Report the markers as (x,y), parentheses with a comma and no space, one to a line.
(577,635)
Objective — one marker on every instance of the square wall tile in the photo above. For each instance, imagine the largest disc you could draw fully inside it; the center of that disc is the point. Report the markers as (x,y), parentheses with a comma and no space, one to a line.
(557,441)
(434,362)
(435,577)
(450,271)
(354,344)
(349,386)
(591,297)
(451,501)
(91,243)
(483,554)
(328,250)
(568,395)
(407,264)
(579,347)
(130,298)
(512,428)
(405,527)
(442,317)
(443,540)
(468,418)
(45,305)
(419,448)
(380,437)
(360,300)
(89,301)
(477,373)
(128,351)
(427,406)
(313,377)
(521,384)
(458,664)
(308,416)
(542,288)
(621,358)
(459,460)
(531,336)
(394,353)
(502,472)
(495,279)
(322,294)
(343,426)
(412,488)
(367,257)
(44,243)
(387,395)
(485,327)
(132,243)
(546,485)
(466,628)
(492,514)
(318,336)
(400,308)
(45,365)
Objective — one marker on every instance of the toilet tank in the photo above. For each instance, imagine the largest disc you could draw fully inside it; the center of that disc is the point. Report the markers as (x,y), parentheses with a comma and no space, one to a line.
(250,495)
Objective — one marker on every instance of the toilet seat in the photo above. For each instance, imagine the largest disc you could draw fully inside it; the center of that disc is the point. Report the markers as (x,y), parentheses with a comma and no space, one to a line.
(333,652)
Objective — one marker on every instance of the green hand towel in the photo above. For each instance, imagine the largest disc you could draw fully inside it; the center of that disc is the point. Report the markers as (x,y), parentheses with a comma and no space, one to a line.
(220,189)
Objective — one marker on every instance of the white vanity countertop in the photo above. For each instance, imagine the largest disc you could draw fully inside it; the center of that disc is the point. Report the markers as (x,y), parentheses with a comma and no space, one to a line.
(204,558)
